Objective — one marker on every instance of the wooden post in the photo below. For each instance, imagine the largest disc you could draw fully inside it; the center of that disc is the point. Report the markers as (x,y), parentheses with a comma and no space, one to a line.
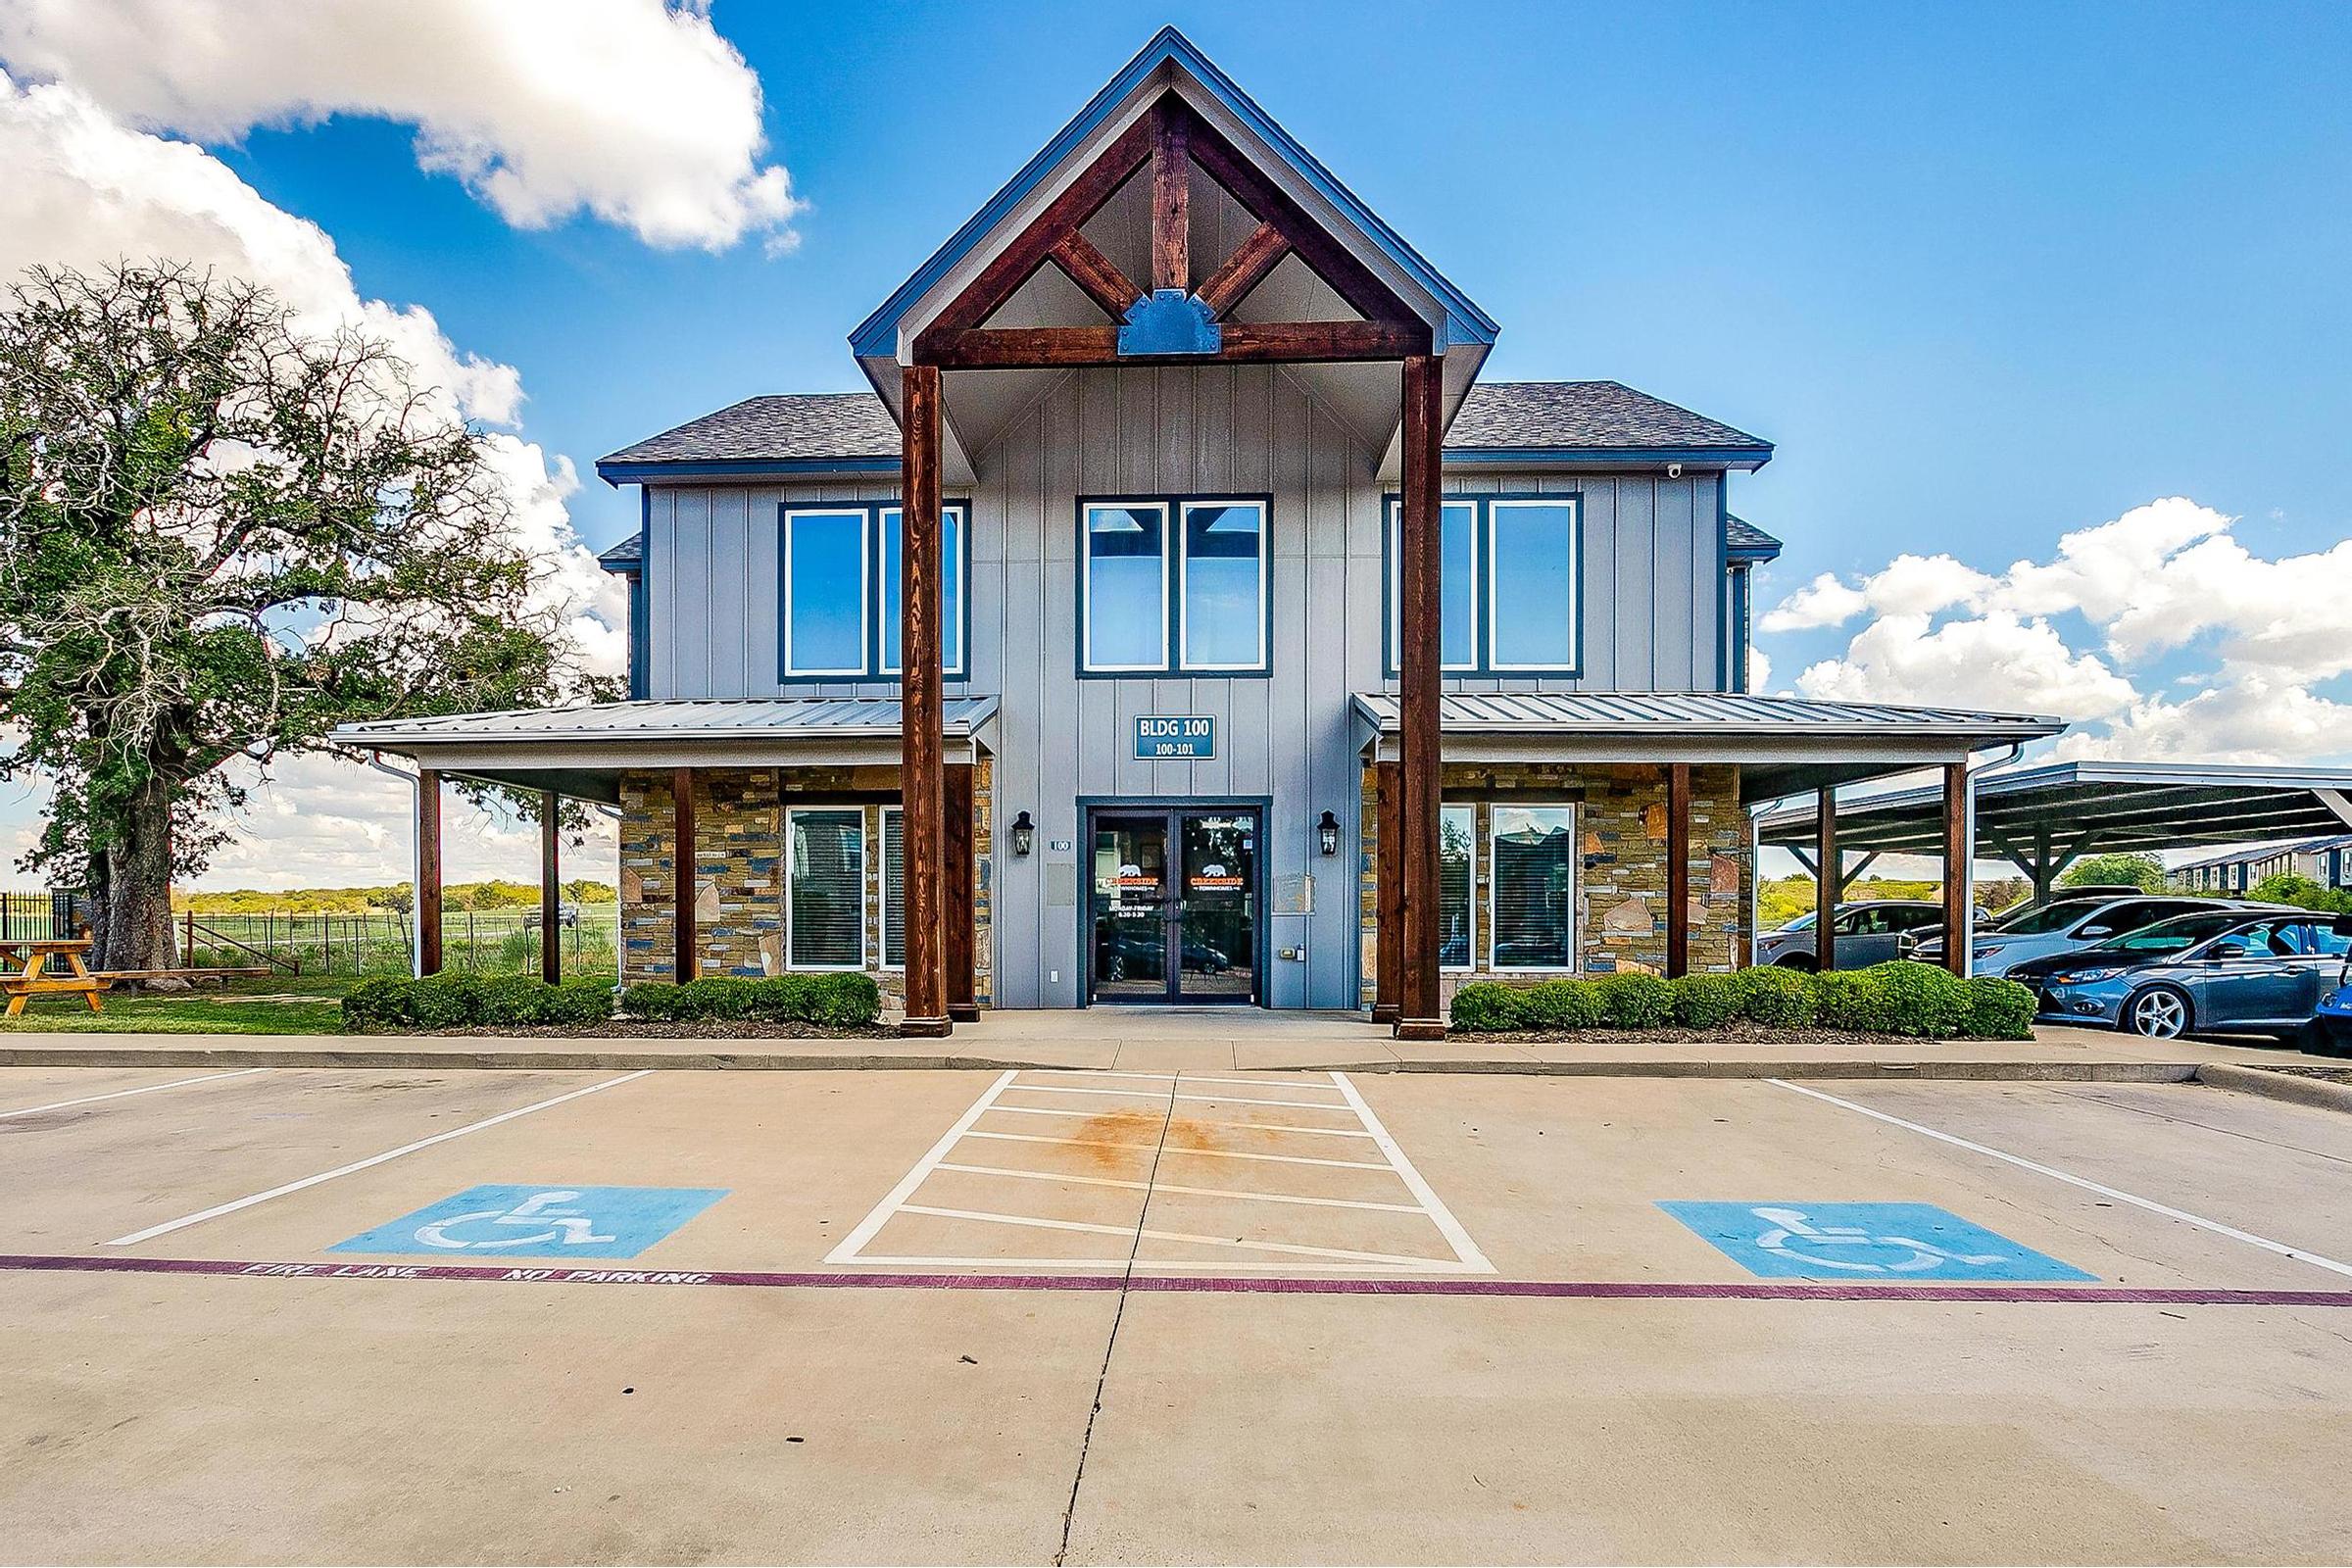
(688,963)
(1829,878)
(1959,939)
(551,892)
(428,872)
(1678,870)
(1419,774)
(964,1005)
(1388,901)
(921,788)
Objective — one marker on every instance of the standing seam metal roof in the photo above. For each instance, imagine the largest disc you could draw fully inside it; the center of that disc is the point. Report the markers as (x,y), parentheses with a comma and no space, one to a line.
(1697,713)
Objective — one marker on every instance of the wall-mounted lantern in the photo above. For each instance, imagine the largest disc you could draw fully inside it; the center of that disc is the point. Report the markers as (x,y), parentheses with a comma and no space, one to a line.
(1327,834)
(1024,834)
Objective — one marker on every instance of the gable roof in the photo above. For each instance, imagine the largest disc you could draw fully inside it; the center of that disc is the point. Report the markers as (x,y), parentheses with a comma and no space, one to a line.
(1519,417)
(876,338)
(829,431)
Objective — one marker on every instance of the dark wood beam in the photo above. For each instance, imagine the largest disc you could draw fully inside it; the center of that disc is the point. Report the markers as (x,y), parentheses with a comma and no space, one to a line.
(1678,870)
(1331,261)
(1829,880)
(1028,250)
(1958,940)
(688,961)
(1029,348)
(1388,901)
(921,787)
(551,889)
(961,873)
(1171,196)
(1243,270)
(1419,769)
(429,872)
(1096,273)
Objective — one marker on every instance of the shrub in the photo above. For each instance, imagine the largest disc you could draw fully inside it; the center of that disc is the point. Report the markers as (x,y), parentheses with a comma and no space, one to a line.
(1777,998)
(512,998)
(843,1000)
(1635,1001)
(374,1003)
(1486,1007)
(1998,1010)
(1923,999)
(1853,998)
(1705,1000)
(718,997)
(1560,1004)
(657,1000)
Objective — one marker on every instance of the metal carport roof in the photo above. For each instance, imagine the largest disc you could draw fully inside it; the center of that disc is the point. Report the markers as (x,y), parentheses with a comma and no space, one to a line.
(2043,817)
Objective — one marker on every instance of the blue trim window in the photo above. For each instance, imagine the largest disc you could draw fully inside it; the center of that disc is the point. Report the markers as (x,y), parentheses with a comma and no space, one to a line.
(838,575)
(1174,584)
(1510,584)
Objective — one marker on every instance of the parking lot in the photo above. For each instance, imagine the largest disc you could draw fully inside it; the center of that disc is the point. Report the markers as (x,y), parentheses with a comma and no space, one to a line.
(340,1315)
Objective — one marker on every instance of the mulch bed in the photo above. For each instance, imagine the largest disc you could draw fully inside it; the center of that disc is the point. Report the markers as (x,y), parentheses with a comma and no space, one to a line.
(701,1029)
(1745,1035)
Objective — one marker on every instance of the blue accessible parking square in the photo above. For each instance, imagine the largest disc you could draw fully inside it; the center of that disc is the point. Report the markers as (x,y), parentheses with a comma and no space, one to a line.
(1798,1240)
(546,1221)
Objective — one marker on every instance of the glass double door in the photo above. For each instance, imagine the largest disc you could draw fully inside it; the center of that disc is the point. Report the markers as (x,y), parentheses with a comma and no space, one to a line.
(1173,905)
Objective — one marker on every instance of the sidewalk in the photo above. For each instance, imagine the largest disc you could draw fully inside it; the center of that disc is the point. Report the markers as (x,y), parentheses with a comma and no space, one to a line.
(1171,1040)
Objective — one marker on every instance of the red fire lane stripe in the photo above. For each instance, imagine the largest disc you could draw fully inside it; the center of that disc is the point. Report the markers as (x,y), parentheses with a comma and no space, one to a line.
(1573,1290)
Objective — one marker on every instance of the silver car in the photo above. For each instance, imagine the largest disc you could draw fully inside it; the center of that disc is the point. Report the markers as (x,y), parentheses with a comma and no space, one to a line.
(1867,932)
(2262,972)
(2070,925)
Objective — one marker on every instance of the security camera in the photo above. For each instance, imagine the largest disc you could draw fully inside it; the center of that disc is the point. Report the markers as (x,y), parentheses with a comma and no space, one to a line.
(1673,470)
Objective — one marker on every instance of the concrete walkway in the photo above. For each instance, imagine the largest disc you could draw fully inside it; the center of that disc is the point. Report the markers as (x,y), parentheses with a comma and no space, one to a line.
(1191,1039)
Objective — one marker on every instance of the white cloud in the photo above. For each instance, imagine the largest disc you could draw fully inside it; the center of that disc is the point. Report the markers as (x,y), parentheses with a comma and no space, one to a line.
(82,190)
(633,110)
(2161,578)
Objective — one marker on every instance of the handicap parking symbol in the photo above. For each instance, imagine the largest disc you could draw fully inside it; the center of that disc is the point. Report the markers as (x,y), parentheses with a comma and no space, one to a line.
(496,1221)
(1801,1241)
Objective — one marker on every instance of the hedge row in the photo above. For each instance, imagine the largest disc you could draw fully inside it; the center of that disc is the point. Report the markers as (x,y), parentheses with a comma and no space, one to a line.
(1895,998)
(844,1001)
(463,1001)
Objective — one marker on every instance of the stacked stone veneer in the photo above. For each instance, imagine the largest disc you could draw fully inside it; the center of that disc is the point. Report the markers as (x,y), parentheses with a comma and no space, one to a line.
(1623,872)
(740,875)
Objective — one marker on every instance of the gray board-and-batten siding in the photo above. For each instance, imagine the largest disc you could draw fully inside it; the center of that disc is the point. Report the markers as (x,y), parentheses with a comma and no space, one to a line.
(1652,575)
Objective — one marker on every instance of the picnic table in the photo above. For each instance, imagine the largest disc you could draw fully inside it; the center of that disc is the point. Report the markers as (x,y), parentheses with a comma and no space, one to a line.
(21,972)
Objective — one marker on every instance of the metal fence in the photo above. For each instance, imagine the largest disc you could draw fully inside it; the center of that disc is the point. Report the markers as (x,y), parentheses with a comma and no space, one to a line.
(53,916)
(377,941)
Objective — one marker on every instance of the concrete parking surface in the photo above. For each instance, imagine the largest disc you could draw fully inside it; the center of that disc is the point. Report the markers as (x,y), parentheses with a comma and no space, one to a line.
(1038,1315)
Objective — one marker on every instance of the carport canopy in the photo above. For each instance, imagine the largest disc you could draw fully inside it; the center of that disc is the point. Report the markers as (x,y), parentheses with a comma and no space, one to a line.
(2044,818)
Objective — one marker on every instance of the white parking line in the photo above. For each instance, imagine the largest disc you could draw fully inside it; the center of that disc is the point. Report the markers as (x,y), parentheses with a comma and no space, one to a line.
(2083,1182)
(900,1200)
(218,1209)
(125,1094)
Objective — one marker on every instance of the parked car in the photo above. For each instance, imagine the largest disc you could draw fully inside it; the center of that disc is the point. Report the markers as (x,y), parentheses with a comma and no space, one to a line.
(2259,970)
(1867,932)
(2070,925)
(2329,1031)
(1911,942)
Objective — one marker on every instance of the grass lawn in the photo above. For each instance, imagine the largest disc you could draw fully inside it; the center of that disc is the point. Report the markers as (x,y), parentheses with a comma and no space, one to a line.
(286,1005)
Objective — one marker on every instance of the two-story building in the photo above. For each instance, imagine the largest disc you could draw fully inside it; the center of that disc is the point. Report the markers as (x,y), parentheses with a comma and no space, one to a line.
(1181,618)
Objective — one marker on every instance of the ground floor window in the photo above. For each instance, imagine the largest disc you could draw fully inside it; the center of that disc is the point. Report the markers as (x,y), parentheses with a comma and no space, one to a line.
(893,887)
(1530,914)
(1457,936)
(824,926)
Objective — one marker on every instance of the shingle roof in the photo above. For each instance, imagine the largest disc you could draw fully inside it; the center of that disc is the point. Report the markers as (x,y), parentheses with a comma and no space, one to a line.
(1504,417)
(626,556)
(783,425)
(1747,542)
(1608,415)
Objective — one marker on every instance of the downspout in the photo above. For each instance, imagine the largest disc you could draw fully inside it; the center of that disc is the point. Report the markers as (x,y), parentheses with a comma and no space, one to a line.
(1966,870)
(376,759)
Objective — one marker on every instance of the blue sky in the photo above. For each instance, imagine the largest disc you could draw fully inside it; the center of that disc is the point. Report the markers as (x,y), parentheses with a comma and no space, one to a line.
(1987,274)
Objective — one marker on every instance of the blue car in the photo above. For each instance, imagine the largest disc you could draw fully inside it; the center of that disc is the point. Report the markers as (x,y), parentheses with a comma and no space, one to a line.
(2330,1032)
(2254,971)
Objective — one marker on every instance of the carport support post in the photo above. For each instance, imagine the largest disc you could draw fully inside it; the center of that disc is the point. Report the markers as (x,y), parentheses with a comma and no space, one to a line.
(1829,880)
(964,1005)
(681,802)
(428,872)
(1417,750)
(1678,870)
(1388,901)
(551,891)
(1959,856)
(922,790)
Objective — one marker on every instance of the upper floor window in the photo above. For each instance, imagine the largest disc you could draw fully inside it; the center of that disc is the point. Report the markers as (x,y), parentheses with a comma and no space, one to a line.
(1509,584)
(839,573)
(1173,584)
